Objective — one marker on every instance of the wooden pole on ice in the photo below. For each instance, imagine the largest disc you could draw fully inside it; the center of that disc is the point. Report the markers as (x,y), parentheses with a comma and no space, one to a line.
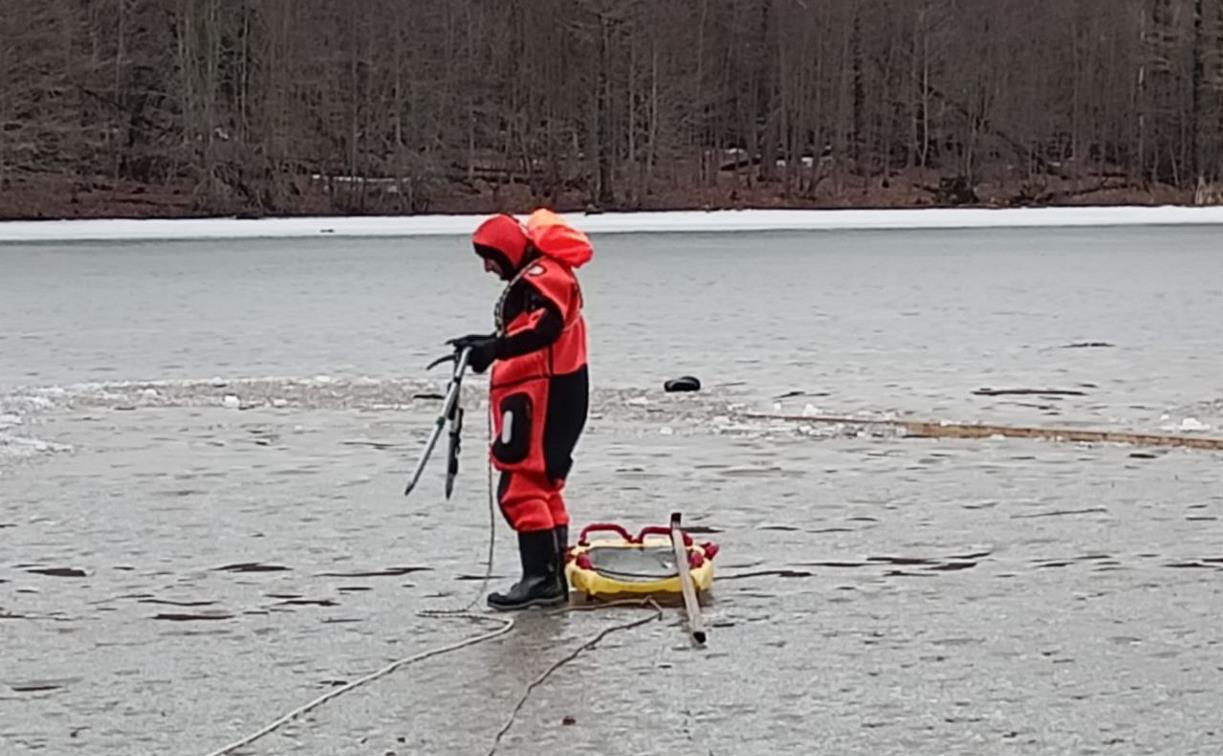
(696,627)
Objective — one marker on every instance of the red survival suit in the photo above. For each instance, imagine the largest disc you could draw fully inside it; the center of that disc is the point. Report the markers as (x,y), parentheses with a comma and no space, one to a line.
(539,388)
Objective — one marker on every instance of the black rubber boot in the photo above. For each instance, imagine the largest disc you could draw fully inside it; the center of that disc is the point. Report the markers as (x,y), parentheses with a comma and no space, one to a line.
(562,547)
(539,585)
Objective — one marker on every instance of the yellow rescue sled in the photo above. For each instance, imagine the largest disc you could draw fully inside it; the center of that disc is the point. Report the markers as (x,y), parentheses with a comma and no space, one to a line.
(618,565)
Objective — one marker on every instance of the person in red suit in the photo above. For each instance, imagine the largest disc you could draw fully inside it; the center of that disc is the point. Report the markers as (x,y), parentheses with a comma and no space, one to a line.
(538,391)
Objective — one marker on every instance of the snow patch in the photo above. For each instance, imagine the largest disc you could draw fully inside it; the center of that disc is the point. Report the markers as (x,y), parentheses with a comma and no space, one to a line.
(22,447)
(686,221)
(1193,424)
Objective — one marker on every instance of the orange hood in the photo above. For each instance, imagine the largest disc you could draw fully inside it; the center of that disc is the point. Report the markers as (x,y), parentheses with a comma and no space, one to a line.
(555,238)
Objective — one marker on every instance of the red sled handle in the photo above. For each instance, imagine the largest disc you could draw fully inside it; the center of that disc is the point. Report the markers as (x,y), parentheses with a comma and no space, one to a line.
(662,531)
(659,530)
(598,527)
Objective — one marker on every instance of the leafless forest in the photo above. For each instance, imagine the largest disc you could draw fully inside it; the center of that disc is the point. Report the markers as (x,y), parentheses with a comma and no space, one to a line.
(192,107)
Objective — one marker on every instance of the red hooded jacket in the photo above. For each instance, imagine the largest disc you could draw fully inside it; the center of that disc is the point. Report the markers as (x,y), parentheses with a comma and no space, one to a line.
(540,376)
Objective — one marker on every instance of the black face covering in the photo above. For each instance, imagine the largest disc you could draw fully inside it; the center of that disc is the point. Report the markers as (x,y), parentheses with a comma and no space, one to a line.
(504,268)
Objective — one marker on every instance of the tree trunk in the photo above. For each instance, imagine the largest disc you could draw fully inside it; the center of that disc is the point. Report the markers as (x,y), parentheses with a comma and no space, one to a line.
(120,104)
(606,193)
(859,94)
(1142,104)
(652,154)
(7,22)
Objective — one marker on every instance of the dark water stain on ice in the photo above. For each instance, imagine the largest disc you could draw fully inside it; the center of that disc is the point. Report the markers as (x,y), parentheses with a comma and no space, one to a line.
(972,555)
(308,602)
(900,560)
(252,567)
(1060,513)
(749,472)
(175,603)
(952,566)
(70,572)
(42,685)
(1192,565)
(1050,563)
(1044,393)
(193,617)
(388,572)
(701,530)
(768,573)
(380,445)
(796,394)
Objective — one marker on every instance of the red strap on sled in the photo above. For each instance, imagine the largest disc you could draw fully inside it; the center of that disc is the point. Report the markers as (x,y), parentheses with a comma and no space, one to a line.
(662,531)
(695,556)
(596,527)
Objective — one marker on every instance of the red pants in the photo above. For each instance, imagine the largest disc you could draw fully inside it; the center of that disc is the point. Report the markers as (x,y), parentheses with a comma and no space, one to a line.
(531,501)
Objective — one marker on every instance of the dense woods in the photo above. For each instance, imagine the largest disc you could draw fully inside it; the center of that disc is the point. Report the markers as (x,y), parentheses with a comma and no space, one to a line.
(171,107)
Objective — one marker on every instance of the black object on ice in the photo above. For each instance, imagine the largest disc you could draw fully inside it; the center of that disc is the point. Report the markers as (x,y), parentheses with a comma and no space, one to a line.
(685,383)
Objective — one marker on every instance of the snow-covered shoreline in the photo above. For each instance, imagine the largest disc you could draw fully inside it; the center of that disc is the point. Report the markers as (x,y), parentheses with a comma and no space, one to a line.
(611,223)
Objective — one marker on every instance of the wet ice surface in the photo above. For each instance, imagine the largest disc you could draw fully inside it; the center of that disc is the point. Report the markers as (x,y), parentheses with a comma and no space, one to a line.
(937,596)
(183,558)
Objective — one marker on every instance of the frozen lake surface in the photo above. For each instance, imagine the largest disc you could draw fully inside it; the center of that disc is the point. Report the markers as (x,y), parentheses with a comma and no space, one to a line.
(203,446)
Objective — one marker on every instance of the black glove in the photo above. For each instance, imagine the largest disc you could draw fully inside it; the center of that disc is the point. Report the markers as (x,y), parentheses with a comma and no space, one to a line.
(470,339)
(482,353)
